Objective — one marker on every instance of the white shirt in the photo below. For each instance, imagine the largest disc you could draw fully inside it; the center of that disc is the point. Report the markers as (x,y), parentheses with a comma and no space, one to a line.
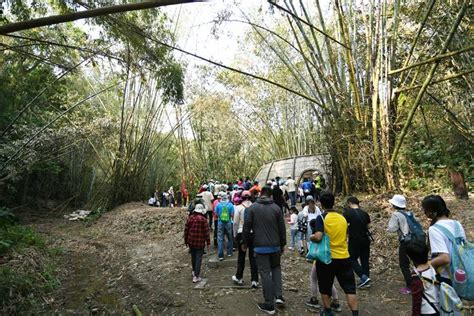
(239,212)
(439,242)
(311,215)
(430,290)
(291,184)
(151,201)
(294,221)
(207,197)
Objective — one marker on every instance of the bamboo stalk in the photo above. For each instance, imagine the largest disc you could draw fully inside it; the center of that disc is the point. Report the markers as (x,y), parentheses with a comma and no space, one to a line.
(427,81)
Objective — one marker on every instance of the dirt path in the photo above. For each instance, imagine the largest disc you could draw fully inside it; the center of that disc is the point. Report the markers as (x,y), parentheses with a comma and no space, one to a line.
(135,255)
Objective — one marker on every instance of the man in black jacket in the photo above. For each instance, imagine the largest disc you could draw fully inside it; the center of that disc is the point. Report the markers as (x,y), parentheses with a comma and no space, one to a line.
(265,219)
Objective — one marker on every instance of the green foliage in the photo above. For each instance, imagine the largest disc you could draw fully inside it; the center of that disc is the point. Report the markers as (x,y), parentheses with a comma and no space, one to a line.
(14,236)
(23,282)
(7,218)
(22,291)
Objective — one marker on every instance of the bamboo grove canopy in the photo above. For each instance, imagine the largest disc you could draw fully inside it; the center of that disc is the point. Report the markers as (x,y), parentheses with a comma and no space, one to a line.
(298,168)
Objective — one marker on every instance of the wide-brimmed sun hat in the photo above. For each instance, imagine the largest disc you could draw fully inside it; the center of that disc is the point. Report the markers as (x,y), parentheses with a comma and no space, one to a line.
(200,209)
(399,201)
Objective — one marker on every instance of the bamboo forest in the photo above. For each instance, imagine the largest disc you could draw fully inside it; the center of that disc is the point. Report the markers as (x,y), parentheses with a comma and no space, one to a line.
(146,146)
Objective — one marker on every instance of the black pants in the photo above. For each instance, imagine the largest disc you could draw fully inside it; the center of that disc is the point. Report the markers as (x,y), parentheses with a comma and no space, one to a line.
(215,233)
(209,215)
(360,250)
(241,260)
(196,259)
(404,263)
(270,274)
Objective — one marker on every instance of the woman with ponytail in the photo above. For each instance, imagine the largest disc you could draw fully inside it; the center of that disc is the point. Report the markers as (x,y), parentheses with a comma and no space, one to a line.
(441,247)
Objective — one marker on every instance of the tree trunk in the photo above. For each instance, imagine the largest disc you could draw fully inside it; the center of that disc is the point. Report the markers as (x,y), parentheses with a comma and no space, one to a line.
(459,185)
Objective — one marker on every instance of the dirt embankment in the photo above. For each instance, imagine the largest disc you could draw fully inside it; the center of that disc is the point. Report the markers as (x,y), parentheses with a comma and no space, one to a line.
(135,255)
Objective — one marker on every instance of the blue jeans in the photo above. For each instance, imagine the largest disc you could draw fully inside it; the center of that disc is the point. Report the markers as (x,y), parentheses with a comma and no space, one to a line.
(294,238)
(224,229)
(292,196)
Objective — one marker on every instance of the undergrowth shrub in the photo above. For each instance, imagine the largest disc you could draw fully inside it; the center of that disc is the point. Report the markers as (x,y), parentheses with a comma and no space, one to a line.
(27,272)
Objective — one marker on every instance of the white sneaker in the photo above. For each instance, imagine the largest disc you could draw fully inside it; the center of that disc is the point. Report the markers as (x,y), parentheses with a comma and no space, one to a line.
(291,248)
(195,279)
(254,284)
(237,281)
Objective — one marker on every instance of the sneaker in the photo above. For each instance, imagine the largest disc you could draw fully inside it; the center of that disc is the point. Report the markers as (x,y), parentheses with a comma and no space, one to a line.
(326,313)
(198,279)
(221,258)
(279,300)
(291,248)
(336,307)
(195,279)
(405,291)
(254,284)
(364,280)
(229,255)
(313,303)
(266,309)
(237,281)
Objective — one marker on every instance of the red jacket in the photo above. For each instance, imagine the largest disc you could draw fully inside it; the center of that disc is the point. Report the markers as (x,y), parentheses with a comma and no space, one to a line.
(196,231)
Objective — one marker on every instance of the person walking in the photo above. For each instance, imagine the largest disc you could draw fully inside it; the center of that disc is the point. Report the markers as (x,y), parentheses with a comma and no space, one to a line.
(196,237)
(239,217)
(255,191)
(207,197)
(335,226)
(171,196)
(398,224)
(294,242)
(317,184)
(307,188)
(359,240)
(185,194)
(225,213)
(291,189)
(216,201)
(441,247)
(277,195)
(265,219)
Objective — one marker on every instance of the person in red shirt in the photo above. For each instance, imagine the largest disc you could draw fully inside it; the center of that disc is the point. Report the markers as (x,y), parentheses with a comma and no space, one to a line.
(185,193)
(196,237)
(255,191)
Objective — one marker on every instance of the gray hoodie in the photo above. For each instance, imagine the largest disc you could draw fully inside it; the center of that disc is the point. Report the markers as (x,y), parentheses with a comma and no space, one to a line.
(265,219)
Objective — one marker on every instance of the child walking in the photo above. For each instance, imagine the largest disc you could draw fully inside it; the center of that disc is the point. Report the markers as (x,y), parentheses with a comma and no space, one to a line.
(424,292)
(293,227)
(196,237)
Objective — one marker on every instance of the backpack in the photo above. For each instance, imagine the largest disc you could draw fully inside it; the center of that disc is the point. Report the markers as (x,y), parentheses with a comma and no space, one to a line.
(225,214)
(307,187)
(461,268)
(302,224)
(415,229)
(449,302)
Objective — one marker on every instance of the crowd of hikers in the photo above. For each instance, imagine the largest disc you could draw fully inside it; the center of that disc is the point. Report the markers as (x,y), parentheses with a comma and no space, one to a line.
(250,219)
(168,198)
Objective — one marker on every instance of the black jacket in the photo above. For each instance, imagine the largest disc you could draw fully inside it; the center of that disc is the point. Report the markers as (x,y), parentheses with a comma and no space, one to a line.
(266,221)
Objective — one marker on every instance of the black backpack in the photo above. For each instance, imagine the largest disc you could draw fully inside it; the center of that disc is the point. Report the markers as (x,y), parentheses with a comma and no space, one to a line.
(303,224)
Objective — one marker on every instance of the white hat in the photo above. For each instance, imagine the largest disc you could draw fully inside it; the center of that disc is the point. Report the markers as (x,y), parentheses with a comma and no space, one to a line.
(200,209)
(398,201)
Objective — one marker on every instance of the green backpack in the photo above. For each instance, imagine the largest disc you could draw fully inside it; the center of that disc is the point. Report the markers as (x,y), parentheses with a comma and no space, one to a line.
(225,216)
